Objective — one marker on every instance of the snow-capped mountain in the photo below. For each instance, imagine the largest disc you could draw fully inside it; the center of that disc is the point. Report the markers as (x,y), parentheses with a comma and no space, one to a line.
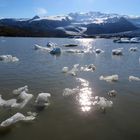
(90,23)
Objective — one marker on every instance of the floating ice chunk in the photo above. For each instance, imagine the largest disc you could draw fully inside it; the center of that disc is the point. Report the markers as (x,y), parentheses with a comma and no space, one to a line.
(133,49)
(16,118)
(74,51)
(43,99)
(51,44)
(90,67)
(98,51)
(68,91)
(23,96)
(133,78)
(21,89)
(112,78)
(38,47)
(8,58)
(7,103)
(74,70)
(104,103)
(112,93)
(55,51)
(65,69)
(117,51)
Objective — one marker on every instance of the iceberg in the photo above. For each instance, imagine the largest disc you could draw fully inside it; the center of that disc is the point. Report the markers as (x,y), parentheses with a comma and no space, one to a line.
(55,51)
(21,89)
(112,78)
(133,78)
(16,118)
(8,58)
(74,51)
(42,99)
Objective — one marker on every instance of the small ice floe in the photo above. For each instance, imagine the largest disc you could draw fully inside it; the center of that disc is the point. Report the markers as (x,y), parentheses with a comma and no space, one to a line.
(55,51)
(133,78)
(98,51)
(50,44)
(112,78)
(7,103)
(90,67)
(74,70)
(104,103)
(68,91)
(21,89)
(65,69)
(133,49)
(17,118)
(74,51)
(8,58)
(42,99)
(38,47)
(112,93)
(23,96)
(117,51)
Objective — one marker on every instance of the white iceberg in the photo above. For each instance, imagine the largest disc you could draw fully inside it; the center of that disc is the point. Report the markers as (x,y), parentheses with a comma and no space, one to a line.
(8,58)
(133,78)
(42,99)
(68,91)
(112,78)
(16,118)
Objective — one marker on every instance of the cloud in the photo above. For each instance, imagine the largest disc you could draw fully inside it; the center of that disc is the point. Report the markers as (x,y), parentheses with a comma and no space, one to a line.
(41,11)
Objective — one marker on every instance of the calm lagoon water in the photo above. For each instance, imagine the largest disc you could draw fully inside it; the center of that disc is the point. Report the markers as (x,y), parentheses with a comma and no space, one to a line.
(65,118)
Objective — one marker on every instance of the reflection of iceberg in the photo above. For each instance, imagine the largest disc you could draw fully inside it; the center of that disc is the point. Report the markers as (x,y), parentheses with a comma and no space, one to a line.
(133,78)
(16,118)
(111,78)
(8,58)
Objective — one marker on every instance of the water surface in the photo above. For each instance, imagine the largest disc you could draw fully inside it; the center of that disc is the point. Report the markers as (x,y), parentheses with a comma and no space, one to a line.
(72,118)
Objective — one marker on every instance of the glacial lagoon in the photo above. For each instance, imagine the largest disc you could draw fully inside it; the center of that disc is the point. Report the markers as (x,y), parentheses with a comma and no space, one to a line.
(72,117)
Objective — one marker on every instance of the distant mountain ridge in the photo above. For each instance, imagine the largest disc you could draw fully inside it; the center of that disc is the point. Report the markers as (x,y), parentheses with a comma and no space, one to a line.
(73,24)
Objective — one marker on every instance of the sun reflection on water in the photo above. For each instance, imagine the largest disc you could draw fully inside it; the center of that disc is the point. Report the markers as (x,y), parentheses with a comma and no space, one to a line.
(85,95)
(87,44)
